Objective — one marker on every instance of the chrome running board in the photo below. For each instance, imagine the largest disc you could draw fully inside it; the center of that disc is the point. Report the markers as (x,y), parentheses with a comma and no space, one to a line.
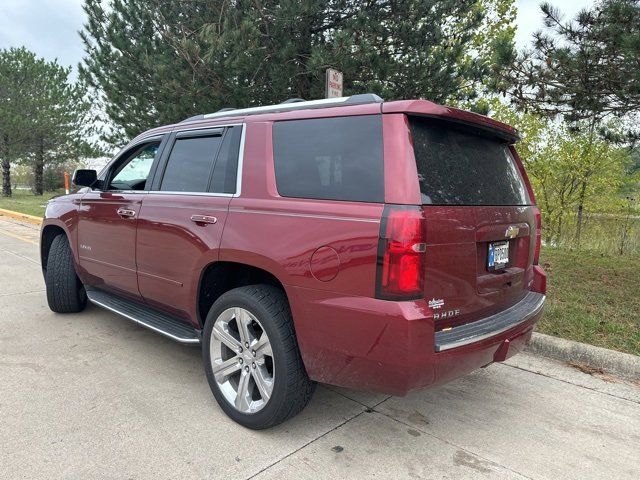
(159,322)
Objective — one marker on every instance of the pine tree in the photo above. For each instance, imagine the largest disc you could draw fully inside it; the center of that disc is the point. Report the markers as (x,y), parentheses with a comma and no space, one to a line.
(158,62)
(45,118)
(17,69)
(586,69)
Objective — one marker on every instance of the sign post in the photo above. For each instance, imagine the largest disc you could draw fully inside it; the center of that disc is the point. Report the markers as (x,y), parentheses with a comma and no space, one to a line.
(66,182)
(333,85)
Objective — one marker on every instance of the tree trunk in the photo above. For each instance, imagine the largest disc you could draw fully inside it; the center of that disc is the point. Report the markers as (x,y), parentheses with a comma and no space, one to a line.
(6,178)
(38,170)
(6,168)
(583,191)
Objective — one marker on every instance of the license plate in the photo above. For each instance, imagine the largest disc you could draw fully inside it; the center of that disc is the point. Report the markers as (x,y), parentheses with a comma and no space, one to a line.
(498,255)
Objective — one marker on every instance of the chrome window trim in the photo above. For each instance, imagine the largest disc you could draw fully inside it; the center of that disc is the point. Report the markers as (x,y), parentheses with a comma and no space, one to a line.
(128,192)
(238,166)
(198,194)
(208,127)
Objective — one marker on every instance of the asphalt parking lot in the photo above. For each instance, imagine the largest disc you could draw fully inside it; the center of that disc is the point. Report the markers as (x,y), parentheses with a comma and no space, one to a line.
(92,396)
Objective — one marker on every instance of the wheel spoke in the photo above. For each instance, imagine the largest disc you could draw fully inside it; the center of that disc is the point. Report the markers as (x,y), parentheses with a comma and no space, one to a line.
(262,347)
(243,320)
(223,369)
(221,332)
(243,400)
(264,384)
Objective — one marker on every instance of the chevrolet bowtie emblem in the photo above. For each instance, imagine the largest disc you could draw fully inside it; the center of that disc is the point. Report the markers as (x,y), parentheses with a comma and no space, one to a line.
(512,232)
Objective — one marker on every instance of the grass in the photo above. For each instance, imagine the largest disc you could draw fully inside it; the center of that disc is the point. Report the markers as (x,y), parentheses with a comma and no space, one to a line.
(593,298)
(24,201)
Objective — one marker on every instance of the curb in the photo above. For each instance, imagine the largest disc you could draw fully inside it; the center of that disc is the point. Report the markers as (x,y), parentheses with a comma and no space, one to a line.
(23,217)
(623,365)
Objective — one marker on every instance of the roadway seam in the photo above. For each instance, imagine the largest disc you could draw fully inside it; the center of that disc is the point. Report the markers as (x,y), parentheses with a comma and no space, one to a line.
(328,387)
(35,262)
(369,409)
(571,383)
(21,293)
(470,452)
(308,443)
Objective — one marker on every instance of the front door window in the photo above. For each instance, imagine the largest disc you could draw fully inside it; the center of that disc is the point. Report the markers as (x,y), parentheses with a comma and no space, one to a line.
(133,173)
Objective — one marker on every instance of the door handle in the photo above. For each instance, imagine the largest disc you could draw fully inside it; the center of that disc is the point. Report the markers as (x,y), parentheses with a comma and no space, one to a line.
(126,213)
(203,219)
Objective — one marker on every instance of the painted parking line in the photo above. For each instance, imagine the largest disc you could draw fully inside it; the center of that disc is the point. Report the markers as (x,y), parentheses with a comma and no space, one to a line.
(19,231)
(18,237)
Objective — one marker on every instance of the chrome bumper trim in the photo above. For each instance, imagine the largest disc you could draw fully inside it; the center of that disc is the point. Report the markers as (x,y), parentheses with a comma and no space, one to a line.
(530,305)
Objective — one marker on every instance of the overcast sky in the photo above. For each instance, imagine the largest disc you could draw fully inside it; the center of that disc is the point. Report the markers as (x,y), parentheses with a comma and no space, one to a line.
(50,27)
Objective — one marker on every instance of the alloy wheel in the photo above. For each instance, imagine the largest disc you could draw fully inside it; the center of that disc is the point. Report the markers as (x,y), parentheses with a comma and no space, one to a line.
(242,360)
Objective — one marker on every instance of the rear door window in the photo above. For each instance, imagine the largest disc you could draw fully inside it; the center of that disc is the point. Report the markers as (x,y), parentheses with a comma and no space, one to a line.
(330,158)
(225,172)
(190,164)
(458,167)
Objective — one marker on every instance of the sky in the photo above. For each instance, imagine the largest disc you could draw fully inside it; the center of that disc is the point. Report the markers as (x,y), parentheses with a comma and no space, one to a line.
(50,27)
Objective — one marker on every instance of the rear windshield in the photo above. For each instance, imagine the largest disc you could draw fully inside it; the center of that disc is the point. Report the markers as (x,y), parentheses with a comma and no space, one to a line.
(337,158)
(456,167)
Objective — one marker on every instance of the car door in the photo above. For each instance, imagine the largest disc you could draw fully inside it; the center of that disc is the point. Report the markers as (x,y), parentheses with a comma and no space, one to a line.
(183,215)
(108,218)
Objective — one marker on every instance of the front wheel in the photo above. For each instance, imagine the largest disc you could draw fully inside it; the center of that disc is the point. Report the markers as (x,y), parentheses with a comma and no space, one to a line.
(65,292)
(251,357)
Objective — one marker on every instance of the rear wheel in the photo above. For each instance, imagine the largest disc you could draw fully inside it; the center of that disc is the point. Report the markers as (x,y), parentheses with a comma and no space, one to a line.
(251,357)
(65,292)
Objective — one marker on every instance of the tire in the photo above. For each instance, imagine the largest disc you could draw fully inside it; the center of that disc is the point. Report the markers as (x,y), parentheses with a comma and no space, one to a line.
(65,292)
(266,310)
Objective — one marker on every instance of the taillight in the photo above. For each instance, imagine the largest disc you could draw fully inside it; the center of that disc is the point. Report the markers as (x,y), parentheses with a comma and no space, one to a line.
(401,253)
(536,252)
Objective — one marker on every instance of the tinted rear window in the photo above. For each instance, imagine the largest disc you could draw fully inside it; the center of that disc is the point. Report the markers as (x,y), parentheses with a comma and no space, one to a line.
(456,167)
(189,166)
(330,158)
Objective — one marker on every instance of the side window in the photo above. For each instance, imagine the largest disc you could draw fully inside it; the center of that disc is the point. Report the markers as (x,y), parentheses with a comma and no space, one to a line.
(190,162)
(330,158)
(225,171)
(132,174)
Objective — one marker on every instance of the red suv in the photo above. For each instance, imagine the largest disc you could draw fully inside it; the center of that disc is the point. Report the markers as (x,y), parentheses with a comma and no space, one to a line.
(383,246)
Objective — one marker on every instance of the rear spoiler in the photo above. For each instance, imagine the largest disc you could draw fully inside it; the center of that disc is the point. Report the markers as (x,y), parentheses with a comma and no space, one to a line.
(427,109)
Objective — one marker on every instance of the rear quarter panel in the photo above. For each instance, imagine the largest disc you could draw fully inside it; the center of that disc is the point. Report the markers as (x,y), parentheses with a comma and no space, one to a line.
(281,235)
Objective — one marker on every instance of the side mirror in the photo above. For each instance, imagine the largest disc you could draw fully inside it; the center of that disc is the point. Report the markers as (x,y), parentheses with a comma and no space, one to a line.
(84,178)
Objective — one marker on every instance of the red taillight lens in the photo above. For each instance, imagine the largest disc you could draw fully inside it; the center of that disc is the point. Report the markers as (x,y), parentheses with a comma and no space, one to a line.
(401,253)
(536,252)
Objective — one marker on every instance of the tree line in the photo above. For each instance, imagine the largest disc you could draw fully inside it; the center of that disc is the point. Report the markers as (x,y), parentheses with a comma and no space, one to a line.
(44,117)
(575,89)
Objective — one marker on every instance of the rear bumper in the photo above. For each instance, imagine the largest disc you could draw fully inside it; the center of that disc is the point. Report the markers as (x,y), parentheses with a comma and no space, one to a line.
(491,326)
(392,347)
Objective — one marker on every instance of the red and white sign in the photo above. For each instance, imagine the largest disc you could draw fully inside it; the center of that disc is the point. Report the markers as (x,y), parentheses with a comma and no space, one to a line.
(334,83)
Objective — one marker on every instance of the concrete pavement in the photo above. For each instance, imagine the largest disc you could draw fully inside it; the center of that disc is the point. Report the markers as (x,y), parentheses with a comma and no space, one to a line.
(92,395)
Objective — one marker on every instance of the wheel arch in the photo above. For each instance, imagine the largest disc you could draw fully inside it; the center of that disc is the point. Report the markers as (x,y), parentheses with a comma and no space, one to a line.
(49,232)
(221,276)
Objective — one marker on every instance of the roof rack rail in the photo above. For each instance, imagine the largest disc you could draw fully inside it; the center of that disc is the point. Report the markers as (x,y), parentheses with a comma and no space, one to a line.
(193,119)
(291,104)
